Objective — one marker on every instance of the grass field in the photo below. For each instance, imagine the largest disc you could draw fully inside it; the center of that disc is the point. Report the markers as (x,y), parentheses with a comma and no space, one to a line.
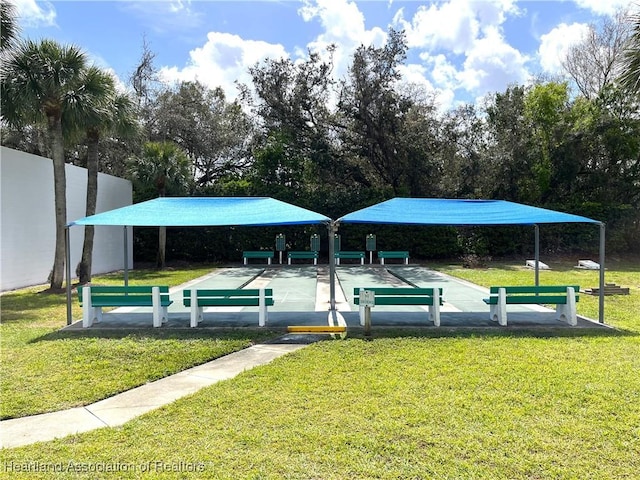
(504,404)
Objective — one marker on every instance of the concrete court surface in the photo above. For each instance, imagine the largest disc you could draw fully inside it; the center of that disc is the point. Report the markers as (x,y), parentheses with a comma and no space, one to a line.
(301,297)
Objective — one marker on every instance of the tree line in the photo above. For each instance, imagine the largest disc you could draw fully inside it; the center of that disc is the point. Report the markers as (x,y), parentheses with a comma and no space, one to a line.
(298,134)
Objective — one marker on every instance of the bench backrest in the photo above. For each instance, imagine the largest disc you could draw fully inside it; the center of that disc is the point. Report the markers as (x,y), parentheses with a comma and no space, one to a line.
(228,297)
(400,295)
(258,253)
(122,291)
(532,289)
(390,291)
(229,292)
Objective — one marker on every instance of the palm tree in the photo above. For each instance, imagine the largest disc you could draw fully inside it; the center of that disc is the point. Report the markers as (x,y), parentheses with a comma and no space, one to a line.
(42,80)
(631,75)
(8,26)
(103,111)
(163,168)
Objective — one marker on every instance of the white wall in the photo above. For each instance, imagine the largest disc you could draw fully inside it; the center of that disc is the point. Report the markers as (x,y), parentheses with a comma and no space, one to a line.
(27,219)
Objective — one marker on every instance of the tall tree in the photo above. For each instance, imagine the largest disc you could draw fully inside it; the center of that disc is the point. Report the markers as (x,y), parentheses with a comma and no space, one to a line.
(43,79)
(595,62)
(631,71)
(162,169)
(215,133)
(375,112)
(103,111)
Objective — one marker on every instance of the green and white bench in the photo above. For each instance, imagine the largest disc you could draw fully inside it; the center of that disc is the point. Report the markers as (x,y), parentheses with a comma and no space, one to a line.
(94,298)
(246,255)
(250,297)
(564,297)
(352,255)
(382,255)
(292,255)
(430,297)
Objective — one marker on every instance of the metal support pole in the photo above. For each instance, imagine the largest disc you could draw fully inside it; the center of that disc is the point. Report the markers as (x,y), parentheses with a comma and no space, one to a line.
(333,227)
(601,298)
(126,258)
(537,254)
(67,247)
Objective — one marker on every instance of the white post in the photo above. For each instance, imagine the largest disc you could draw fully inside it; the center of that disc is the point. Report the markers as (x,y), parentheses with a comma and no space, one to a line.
(262,308)
(361,308)
(87,310)
(435,313)
(502,306)
(157,314)
(570,308)
(196,316)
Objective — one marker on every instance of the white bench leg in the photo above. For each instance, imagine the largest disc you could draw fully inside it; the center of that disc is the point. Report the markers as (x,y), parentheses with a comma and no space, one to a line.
(381,261)
(195,311)
(262,308)
(157,308)
(88,311)
(434,310)
(406,261)
(244,260)
(362,261)
(498,312)
(567,312)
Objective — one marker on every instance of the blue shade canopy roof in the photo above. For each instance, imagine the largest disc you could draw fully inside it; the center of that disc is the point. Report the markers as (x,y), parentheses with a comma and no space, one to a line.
(436,211)
(206,211)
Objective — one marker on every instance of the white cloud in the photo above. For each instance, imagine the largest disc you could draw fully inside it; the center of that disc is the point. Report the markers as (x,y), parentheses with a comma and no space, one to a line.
(32,14)
(604,7)
(344,26)
(463,44)
(555,45)
(492,64)
(450,26)
(223,60)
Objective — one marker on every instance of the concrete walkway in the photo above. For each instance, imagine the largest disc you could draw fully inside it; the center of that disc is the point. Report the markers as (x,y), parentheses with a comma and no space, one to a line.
(121,408)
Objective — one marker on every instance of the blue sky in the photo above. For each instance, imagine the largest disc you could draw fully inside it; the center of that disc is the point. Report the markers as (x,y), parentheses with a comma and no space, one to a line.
(458,49)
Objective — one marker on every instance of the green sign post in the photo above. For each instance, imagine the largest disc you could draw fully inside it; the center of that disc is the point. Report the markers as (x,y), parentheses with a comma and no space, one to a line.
(281,244)
(370,243)
(315,242)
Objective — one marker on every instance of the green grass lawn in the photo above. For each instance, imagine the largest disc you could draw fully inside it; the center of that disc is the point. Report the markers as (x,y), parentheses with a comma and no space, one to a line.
(498,404)
(43,369)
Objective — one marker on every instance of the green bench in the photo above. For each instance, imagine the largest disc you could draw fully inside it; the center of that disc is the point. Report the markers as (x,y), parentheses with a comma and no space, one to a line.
(430,297)
(250,297)
(94,298)
(305,255)
(246,255)
(564,297)
(382,255)
(348,255)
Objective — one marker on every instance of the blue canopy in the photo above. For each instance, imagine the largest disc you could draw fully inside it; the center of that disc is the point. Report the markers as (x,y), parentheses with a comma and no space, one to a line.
(206,211)
(437,211)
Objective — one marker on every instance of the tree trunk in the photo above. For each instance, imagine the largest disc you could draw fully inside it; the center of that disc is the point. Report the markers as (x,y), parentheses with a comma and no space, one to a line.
(60,194)
(162,247)
(84,267)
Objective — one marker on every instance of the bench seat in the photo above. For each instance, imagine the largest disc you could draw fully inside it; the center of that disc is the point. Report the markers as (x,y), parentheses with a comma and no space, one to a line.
(94,298)
(250,297)
(246,255)
(383,254)
(563,296)
(429,297)
(306,255)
